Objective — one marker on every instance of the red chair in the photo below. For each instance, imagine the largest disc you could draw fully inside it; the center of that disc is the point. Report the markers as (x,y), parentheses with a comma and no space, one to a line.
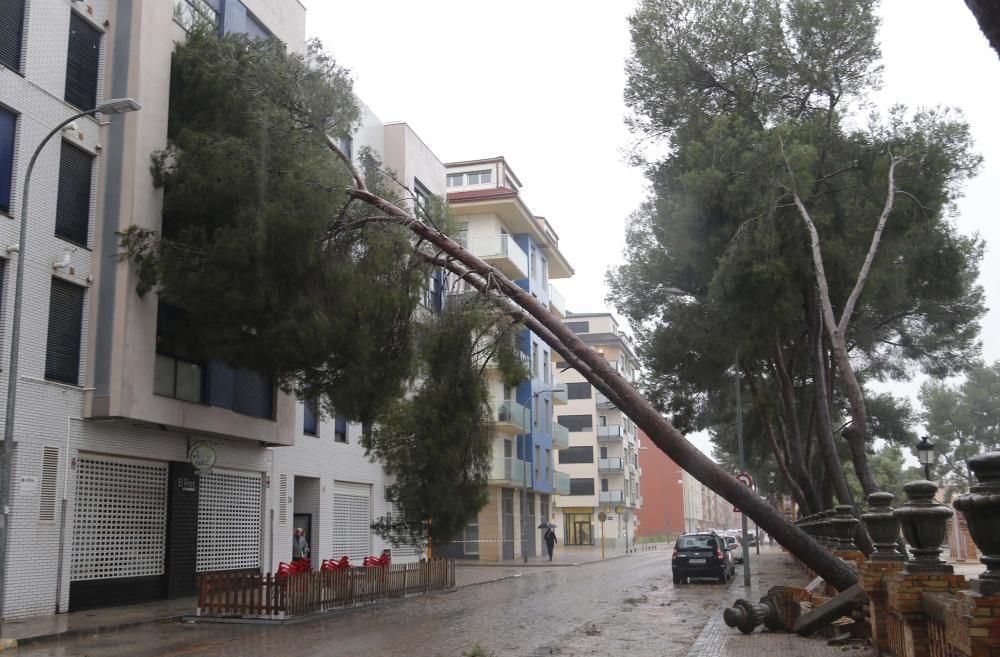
(330,565)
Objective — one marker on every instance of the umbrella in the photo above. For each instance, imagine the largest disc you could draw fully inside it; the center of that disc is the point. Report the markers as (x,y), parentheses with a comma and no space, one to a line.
(546,525)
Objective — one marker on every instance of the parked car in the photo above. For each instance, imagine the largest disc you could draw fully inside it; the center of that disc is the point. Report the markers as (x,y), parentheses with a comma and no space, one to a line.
(702,555)
(735,548)
(752,540)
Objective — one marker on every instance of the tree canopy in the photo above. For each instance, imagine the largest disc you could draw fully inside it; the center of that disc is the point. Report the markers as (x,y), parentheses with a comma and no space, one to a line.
(758,102)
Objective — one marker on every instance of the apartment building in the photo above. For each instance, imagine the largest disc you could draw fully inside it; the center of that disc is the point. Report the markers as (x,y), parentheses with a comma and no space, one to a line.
(107,506)
(602,459)
(325,484)
(497,226)
(662,512)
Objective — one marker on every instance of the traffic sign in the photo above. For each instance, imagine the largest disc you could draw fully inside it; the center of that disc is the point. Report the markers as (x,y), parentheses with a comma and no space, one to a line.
(747,481)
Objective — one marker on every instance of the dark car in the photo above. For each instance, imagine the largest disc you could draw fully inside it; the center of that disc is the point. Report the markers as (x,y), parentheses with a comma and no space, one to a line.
(700,555)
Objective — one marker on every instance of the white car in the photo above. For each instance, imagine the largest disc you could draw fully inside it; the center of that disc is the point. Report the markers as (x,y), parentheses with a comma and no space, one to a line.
(734,547)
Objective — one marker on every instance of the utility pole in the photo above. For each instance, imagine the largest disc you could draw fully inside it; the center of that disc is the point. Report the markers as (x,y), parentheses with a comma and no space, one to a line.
(743,468)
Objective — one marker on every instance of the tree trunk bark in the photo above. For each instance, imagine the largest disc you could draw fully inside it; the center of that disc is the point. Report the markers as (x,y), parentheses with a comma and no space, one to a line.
(789,408)
(606,379)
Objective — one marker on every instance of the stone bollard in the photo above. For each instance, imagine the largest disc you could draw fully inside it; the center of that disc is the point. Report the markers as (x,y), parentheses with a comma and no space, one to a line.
(882,527)
(924,523)
(844,525)
(981,506)
(746,616)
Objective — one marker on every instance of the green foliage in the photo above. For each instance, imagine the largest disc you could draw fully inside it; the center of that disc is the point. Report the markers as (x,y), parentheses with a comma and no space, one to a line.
(962,420)
(890,472)
(754,98)
(437,442)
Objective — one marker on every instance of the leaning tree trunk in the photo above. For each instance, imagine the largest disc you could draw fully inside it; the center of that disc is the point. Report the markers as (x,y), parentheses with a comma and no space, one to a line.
(606,379)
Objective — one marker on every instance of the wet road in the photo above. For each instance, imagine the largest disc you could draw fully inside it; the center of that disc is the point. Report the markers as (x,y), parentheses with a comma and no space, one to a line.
(619,607)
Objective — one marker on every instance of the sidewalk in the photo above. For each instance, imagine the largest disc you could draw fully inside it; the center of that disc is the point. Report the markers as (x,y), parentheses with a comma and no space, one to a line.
(771,568)
(76,623)
(566,556)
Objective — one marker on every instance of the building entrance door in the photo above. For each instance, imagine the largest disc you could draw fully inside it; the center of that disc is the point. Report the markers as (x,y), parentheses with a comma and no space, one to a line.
(507,500)
(578,529)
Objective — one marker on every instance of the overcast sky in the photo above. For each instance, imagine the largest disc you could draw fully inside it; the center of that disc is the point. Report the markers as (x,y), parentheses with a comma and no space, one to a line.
(540,82)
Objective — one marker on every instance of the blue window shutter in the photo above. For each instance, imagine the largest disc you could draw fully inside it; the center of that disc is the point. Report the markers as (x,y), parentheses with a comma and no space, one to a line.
(62,347)
(8,125)
(82,61)
(73,201)
(253,393)
(11,33)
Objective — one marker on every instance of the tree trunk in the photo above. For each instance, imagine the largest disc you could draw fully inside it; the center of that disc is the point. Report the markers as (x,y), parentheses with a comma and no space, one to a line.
(789,408)
(606,379)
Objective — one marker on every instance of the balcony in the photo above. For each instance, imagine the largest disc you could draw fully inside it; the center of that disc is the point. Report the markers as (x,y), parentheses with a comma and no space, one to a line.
(611,433)
(560,436)
(560,397)
(561,483)
(509,472)
(511,417)
(603,403)
(612,496)
(501,251)
(557,303)
(614,465)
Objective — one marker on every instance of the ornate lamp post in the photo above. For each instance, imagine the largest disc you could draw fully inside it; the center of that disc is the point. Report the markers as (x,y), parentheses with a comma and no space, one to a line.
(925,454)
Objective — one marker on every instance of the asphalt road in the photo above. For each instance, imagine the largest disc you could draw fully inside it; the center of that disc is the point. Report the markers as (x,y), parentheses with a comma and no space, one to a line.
(624,606)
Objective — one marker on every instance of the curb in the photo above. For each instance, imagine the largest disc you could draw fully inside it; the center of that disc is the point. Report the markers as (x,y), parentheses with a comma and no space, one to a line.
(76,633)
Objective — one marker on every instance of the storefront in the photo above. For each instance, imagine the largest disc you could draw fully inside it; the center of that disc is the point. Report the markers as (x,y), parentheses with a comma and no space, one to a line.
(578,526)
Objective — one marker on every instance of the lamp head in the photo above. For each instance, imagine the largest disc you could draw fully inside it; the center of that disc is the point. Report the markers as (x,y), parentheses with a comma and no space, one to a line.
(925,451)
(118,106)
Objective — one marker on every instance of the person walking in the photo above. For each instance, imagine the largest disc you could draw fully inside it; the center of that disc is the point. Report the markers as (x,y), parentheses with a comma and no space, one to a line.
(300,546)
(550,541)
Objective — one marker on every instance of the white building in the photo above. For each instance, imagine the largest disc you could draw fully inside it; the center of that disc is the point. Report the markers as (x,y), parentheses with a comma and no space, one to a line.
(602,459)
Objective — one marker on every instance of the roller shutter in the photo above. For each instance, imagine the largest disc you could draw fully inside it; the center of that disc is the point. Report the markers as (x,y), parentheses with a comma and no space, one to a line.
(352,519)
(73,201)
(11,33)
(82,62)
(62,347)
(229,520)
(119,518)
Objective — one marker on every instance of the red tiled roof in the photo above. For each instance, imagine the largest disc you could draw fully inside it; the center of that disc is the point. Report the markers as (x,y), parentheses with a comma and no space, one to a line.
(482,194)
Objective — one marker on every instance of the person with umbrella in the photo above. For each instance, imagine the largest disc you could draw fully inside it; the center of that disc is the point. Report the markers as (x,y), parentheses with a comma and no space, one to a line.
(550,538)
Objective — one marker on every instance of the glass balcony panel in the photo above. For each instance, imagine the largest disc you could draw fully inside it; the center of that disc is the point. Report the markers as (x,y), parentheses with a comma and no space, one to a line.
(560,436)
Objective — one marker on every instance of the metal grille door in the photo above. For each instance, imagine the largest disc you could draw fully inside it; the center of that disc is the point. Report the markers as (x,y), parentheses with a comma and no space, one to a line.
(119,519)
(229,520)
(352,519)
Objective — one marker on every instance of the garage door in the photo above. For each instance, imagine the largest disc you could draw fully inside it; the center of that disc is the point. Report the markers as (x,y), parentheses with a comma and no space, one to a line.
(352,519)
(119,518)
(229,520)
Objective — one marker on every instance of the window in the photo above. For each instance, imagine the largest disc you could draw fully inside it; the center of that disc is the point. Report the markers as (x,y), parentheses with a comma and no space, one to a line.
(11,31)
(535,410)
(545,366)
(340,429)
(471,544)
(8,126)
(604,452)
(455,179)
(581,486)
(577,422)
(578,390)
(173,374)
(479,177)
(604,485)
(82,63)
(73,202)
(189,13)
(534,262)
(433,294)
(509,183)
(538,462)
(310,417)
(562,365)
(548,412)
(548,459)
(584,454)
(421,195)
(545,271)
(578,327)
(534,360)
(62,347)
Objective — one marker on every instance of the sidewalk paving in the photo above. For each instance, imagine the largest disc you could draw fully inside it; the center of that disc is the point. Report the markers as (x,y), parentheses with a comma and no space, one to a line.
(771,568)
(566,556)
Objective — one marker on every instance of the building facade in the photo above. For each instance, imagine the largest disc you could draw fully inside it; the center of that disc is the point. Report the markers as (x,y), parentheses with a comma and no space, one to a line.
(497,226)
(602,458)
(662,512)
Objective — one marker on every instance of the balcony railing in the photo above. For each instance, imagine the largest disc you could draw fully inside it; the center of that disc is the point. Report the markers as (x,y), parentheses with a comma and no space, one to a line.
(561,483)
(611,433)
(557,303)
(509,471)
(511,417)
(603,402)
(613,464)
(499,250)
(560,436)
(560,396)
(612,496)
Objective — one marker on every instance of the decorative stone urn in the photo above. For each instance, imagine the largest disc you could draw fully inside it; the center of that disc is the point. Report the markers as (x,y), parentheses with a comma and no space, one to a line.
(981,508)
(883,527)
(924,523)
(844,524)
(746,616)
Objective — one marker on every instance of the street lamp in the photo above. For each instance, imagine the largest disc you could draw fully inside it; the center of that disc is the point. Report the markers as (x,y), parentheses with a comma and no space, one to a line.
(925,454)
(113,106)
